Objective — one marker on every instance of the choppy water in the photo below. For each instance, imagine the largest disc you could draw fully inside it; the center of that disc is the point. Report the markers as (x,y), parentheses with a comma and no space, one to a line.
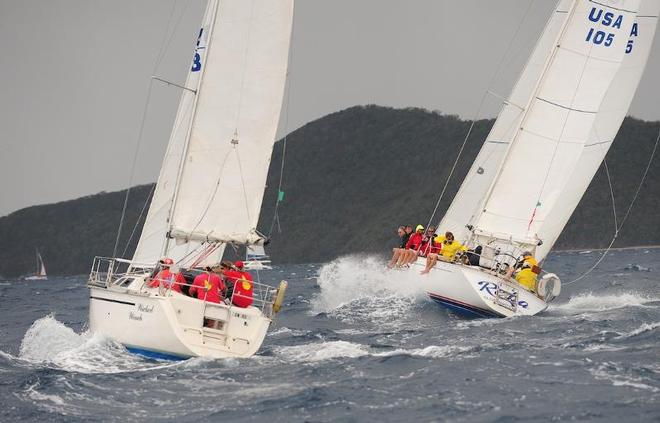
(355,344)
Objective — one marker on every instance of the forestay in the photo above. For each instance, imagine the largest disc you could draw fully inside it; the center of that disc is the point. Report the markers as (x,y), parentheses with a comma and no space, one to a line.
(469,200)
(213,176)
(522,205)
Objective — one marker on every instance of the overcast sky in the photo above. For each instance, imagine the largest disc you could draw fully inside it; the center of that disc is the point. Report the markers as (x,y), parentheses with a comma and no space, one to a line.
(74,76)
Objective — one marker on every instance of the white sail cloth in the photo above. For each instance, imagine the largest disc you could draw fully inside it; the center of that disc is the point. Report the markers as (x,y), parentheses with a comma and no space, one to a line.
(557,124)
(213,177)
(608,120)
(468,202)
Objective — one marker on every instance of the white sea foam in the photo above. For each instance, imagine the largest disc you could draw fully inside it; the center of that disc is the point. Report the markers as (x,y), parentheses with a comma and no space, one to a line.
(591,302)
(342,349)
(50,343)
(646,327)
(365,279)
(432,351)
(322,351)
(614,374)
(287,331)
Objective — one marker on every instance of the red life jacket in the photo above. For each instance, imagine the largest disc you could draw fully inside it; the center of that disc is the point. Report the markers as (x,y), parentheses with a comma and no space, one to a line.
(208,286)
(243,290)
(430,246)
(414,241)
(168,278)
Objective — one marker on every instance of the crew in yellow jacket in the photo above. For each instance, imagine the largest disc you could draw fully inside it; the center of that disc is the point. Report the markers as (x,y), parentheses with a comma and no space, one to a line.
(526,276)
(449,245)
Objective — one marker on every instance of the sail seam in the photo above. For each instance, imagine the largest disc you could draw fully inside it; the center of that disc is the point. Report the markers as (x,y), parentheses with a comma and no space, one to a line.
(598,143)
(553,140)
(588,56)
(612,7)
(567,107)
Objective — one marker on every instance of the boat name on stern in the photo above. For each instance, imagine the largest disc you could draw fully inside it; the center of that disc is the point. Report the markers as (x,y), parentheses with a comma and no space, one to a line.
(145,308)
(142,308)
(491,289)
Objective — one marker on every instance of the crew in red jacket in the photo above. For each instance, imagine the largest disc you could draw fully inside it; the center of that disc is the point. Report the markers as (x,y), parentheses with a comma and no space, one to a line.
(429,245)
(207,286)
(167,278)
(243,288)
(415,240)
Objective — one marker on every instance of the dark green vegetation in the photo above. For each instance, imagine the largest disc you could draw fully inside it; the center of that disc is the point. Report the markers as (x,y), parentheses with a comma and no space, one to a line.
(350,178)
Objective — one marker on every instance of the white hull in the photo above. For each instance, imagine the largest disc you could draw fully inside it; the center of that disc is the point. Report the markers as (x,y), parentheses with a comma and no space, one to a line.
(171,325)
(473,291)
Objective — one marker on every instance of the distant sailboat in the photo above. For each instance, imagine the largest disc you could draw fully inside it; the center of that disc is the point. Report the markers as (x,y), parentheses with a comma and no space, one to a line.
(542,152)
(40,274)
(208,195)
(256,258)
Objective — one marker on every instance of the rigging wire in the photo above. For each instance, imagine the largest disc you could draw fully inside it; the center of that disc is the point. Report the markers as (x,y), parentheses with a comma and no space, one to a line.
(481,103)
(625,217)
(144,207)
(133,165)
(165,43)
(286,129)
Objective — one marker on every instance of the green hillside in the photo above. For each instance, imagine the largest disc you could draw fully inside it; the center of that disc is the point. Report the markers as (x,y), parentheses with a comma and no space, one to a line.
(350,178)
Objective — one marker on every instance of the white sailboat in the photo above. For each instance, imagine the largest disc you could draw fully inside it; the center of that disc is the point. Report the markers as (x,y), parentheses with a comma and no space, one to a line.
(209,192)
(542,152)
(256,258)
(40,274)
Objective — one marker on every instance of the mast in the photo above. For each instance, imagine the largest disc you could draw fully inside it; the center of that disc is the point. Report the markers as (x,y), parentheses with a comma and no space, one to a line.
(212,10)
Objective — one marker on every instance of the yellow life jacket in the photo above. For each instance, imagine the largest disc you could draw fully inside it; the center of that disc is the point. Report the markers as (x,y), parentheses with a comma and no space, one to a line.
(449,250)
(526,276)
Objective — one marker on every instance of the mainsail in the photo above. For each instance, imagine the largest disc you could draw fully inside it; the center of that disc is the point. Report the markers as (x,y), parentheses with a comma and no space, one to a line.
(213,176)
(608,120)
(469,200)
(563,127)
(41,267)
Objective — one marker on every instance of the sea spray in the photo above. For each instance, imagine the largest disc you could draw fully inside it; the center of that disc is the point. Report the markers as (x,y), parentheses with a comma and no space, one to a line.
(50,343)
(354,278)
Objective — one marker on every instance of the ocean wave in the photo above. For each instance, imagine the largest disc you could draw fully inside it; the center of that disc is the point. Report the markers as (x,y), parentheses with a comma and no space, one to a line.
(646,327)
(432,351)
(591,302)
(329,350)
(50,343)
(322,351)
(356,287)
(616,375)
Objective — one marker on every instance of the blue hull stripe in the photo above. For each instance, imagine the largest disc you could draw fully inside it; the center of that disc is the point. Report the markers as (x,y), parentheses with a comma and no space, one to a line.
(462,308)
(154,355)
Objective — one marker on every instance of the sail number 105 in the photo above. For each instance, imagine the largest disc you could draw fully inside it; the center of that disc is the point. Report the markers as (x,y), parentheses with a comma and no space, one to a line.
(609,19)
(600,37)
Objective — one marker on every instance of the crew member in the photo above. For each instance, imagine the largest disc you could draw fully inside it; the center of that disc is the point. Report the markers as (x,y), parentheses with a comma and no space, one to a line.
(449,245)
(397,251)
(208,286)
(528,271)
(429,244)
(448,249)
(243,287)
(167,278)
